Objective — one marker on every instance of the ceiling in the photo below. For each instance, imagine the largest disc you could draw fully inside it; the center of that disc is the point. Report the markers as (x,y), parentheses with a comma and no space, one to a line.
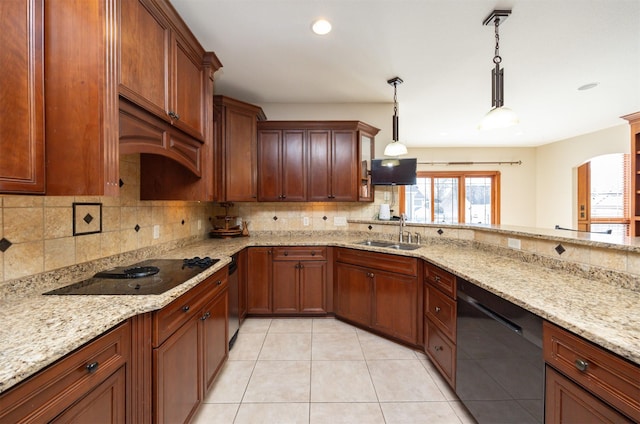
(443,53)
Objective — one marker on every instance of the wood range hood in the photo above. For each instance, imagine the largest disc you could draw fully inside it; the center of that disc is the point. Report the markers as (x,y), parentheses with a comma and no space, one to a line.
(144,133)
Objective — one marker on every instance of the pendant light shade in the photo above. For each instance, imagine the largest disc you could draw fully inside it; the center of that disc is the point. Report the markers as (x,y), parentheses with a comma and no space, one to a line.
(499,116)
(395,148)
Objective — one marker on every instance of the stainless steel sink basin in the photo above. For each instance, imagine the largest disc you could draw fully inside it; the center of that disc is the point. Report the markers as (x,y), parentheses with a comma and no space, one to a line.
(375,243)
(403,246)
(389,244)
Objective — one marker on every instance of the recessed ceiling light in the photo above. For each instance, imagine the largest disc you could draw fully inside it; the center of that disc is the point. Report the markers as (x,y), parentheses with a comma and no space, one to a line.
(321,26)
(588,86)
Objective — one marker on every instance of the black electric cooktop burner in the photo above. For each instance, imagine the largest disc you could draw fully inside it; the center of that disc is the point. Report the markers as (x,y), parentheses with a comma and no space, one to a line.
(153,276)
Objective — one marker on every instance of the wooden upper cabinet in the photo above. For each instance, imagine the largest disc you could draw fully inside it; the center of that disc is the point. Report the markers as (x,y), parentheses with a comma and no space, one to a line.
(282,165)
(22,98)
(81,107)
(634,126)
(236,142)
(162,69)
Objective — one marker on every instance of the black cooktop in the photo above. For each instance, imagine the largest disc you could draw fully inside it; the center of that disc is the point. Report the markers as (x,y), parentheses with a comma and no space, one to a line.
(153,276)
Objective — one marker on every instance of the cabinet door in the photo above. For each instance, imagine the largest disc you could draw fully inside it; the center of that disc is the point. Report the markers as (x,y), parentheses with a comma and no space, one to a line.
(240,155)
(344,167)
(187,99)
(566,402)
(259,280)
(319,173)
(144,51)
(214,337)
(104,404)
(293,171)
(242,283)
(312,286)
(269,166)
(22,98)
(285,287)
(177,391)
(354,289)
(395,305)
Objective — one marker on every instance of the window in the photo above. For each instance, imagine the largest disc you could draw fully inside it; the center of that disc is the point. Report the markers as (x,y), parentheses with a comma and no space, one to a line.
(458,197)
(604,182)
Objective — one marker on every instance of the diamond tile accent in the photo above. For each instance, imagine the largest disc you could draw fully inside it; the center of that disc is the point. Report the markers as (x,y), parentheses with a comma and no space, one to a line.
(275,218)
(370,227)
(137,228)
(88,218)
(120,183)
(440,231)
(325,218)
(560,249)
(4,244)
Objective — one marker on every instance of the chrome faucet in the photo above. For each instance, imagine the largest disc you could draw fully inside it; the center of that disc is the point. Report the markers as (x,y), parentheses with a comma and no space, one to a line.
(403,218)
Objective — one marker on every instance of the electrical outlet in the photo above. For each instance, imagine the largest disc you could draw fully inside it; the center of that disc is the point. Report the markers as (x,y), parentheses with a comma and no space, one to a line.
(156,231)
(513,243)
(199,224)
(305,221)
(340,221)
(385,195)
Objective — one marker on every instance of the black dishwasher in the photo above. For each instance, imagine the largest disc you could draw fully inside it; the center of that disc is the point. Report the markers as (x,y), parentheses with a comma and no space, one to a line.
(499,363)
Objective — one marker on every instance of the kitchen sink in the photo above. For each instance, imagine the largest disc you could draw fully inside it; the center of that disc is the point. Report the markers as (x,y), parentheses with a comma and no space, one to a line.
(389,244)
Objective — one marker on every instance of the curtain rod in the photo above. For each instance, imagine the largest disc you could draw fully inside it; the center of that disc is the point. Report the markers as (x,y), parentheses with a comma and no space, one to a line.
(472,163)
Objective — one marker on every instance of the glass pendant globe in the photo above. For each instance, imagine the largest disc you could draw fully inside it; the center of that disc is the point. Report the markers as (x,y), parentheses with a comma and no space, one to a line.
(499,117)
(395,148)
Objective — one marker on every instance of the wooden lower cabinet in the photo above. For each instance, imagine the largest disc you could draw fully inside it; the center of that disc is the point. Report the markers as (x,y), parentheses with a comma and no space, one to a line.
(287,280)
(579,371)
(568,403)
(259,262)
(378,291)
(177,372)
(187,361)
(91,384)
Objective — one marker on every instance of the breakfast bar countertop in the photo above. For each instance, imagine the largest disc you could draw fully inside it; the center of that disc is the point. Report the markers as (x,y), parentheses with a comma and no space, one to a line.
(37,330)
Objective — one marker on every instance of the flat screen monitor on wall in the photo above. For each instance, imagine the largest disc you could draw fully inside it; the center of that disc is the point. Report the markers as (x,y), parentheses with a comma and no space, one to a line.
(393,171)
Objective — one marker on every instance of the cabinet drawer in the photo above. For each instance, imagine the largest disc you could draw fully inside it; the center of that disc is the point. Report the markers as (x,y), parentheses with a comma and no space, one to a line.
(314,253)
(382,261)
(611,378)
(168,319)
(51,391)
(440,279)
(441,351)
(441,310)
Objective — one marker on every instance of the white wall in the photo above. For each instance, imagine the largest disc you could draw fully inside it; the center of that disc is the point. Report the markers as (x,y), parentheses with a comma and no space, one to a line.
(556,172)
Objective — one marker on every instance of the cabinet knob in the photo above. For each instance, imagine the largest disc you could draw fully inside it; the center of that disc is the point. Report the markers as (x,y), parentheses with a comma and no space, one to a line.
(301,266)
(284,196)
(185,308)
(313,253)
(205,316)
(437,309)
(581,364)
(286,253)
(92,367)
(219,282)
(437,348)
(436,278)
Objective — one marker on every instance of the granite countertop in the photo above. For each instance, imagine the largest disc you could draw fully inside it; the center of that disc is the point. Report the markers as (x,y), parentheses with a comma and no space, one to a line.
(37,330)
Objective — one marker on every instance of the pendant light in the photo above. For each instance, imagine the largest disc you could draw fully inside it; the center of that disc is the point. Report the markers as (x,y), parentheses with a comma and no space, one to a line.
(499,116)
(395,148)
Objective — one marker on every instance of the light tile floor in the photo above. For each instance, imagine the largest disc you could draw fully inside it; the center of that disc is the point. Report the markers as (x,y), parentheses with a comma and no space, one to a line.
(321,370)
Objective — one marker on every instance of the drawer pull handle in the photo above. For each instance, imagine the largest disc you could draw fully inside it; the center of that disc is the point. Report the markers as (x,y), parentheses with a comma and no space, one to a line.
(437,348)
(92,367)
(581,364)
(286,253)
(436,278)
(185,308)
(219,282)
(313,253)
(205,316)
(437,309)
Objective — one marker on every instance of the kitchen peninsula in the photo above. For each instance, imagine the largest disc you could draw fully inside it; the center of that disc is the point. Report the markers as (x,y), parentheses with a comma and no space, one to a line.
(596,303)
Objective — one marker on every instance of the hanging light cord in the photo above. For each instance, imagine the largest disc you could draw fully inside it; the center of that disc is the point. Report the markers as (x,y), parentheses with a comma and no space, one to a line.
(496,58)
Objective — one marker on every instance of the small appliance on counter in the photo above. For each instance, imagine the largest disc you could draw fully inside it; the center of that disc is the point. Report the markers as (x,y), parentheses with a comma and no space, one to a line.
(385,212)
